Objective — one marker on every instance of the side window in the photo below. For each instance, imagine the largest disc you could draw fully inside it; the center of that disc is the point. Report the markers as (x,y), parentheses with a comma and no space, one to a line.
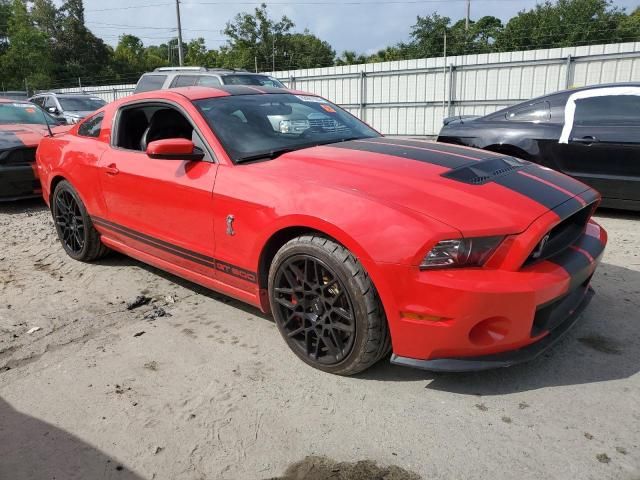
(184,81)
(50,102)
(537,112)
(150,82)
(208,81)
(608,110)
(38,101)
(140,125)
(91,127)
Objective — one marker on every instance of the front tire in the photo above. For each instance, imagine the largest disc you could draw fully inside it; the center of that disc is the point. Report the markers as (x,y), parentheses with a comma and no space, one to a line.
(326,307)
(79,238)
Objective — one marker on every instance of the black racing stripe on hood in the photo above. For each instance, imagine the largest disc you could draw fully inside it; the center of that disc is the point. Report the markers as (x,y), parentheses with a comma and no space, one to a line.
(592,245)
(443,147)
(559,179)
(394,148)
(9,140)
(572,261)
(537,191)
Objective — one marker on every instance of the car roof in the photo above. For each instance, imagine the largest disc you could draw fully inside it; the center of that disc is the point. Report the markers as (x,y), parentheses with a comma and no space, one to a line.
(569,91)
(201,71)
(201,93)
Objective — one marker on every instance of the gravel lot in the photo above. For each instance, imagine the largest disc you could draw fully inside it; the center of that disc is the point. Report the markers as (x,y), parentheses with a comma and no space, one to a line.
(209,390)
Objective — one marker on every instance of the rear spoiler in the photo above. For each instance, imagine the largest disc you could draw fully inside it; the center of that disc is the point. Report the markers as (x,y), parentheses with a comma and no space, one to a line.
(459,119)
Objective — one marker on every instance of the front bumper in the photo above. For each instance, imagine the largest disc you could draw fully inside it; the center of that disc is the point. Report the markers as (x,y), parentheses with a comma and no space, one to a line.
(573,306)
(18,182)
(476,319)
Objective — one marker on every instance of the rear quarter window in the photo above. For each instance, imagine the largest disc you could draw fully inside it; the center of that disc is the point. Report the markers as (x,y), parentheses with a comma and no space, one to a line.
(91,127)
(150,82)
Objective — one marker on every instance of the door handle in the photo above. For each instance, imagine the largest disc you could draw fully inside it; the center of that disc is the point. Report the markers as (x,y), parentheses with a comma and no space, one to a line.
(111,169)
(587,140)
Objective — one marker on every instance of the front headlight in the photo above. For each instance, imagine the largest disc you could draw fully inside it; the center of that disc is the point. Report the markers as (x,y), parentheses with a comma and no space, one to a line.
(461,252)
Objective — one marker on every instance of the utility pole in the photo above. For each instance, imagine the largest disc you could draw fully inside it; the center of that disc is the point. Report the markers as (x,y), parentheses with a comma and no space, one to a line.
(466,21)
(273,55)
(255,60)
(180,60)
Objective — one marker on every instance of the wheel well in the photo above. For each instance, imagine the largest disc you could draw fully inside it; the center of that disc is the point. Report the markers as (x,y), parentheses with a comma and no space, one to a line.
(274,244)
(509,150)
(56,180)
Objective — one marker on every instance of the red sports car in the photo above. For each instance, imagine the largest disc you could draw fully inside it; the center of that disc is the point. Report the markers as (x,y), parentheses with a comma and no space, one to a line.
(456,259)
(22,125)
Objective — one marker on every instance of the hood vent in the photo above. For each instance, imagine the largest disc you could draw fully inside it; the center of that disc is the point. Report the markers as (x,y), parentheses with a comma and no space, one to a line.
(485,170)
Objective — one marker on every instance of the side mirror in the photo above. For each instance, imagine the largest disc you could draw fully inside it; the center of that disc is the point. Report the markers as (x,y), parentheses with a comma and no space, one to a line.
(53,110)
(174,149)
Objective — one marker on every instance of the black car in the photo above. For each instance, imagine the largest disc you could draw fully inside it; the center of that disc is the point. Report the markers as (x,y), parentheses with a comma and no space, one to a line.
(590,133)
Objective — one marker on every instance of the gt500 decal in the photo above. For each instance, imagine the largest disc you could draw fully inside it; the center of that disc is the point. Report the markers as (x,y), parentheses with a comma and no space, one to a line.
(178,251)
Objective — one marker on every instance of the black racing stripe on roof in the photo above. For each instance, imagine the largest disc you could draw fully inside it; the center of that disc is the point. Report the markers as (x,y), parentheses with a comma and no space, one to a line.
(535,190)
(250,89)
(386,146)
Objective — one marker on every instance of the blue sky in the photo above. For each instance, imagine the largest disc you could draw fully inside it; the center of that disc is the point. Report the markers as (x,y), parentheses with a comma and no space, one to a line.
(361,25)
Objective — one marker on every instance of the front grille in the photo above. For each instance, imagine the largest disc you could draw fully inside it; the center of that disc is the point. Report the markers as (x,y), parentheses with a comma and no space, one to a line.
(18,156)
(328,125)
(561,236)
(552,315)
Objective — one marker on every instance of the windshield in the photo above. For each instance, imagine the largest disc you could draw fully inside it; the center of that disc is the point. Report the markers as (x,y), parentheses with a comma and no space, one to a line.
(25,113)
(253,125)
(245,79)
(81,104)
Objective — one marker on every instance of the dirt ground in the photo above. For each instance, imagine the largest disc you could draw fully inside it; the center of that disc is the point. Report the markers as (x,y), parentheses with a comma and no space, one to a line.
(194,385)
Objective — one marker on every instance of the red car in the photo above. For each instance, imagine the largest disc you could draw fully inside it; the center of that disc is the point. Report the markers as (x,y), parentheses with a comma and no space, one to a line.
(456,259)
(22,125)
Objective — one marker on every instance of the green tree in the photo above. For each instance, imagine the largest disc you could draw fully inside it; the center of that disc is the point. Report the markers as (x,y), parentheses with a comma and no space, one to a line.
(78,52)
(561,24)
(257,39)
(27,55)
(5,19)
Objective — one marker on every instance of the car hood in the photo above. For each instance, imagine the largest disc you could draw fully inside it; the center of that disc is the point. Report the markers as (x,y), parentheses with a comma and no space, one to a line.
(21,135)
(472,190)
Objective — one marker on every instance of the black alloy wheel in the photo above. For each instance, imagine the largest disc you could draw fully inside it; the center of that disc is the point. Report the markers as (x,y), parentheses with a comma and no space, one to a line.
(69,222)
(326,306)
(79,238)
(319,316)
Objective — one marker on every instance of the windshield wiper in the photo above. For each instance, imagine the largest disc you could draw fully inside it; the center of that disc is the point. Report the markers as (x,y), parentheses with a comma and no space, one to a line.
(266,155)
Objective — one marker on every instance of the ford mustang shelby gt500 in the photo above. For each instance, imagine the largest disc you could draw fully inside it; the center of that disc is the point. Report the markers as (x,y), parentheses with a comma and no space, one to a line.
(454,258)
(22,125)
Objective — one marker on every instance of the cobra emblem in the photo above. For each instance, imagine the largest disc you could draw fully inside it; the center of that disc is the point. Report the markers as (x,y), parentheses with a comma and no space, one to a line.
(230,230)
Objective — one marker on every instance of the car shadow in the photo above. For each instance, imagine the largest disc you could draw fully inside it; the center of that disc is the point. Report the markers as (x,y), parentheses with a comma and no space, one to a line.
(116,259)
(34,449)
(618,214)
(21,206)
(603,346)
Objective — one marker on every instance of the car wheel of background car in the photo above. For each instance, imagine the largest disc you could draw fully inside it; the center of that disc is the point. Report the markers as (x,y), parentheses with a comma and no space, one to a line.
(76,232)
(326,306)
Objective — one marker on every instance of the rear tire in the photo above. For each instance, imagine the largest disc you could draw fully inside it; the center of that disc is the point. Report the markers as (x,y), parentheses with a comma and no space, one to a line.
(326,306)
(78,236)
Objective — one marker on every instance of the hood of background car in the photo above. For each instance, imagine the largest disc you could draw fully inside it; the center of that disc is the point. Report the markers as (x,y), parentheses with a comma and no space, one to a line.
(471,190)
(21,135)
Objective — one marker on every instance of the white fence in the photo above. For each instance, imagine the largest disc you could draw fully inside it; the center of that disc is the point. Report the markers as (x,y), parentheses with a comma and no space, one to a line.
(411,97)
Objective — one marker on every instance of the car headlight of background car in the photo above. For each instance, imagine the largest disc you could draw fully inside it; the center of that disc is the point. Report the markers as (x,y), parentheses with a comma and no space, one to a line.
(461,252)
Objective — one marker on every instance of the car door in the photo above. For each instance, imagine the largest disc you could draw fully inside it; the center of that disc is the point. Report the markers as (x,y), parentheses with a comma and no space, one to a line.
(603,148)
(161,207)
